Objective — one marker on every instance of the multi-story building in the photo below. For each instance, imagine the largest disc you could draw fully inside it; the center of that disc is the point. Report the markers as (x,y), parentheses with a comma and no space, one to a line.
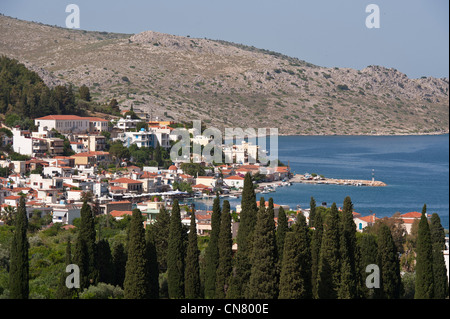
(72,124)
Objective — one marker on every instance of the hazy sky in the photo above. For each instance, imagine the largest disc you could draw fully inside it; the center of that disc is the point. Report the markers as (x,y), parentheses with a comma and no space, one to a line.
(413,36)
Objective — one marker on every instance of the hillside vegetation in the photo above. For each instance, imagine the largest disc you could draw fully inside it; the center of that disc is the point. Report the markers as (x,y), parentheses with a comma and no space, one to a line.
(226,84)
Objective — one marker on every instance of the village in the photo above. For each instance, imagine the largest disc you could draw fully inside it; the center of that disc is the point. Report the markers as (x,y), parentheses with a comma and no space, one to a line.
(56,185)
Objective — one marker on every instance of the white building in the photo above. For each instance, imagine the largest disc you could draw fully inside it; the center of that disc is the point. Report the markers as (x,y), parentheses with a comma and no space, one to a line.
(234,181)
(127,123)
(63,123)
(141,138)
(244,153)
(65,213)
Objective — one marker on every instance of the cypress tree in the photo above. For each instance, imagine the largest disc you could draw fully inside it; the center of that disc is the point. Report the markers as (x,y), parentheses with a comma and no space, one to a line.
(424,260)
(136,283)
(389,264)
(262,282)
(316,243)
(348,288)
(295,278)
(175,255)
(160,232)
(19,264)
(104,262)
(119,264)
(192,286)
(282,229)
(312,211)
(63,292)
(242,266)
(152,266)
(85,248)
(439,268)
(212,251)
(328,277)
(225,244)
(368,248)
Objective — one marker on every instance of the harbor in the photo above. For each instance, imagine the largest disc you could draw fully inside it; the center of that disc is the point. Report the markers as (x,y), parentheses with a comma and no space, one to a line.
(298,178)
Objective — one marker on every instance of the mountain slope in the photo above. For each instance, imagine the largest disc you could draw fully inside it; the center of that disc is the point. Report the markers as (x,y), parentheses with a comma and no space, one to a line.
(228,85)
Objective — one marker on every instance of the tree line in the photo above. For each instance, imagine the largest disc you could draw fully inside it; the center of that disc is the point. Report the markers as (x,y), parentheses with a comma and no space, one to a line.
(323,258)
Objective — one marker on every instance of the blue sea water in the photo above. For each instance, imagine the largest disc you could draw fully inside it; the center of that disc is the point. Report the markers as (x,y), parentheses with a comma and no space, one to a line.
(415,169)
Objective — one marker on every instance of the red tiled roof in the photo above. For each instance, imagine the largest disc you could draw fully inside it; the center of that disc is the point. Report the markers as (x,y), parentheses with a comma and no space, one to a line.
(411,215)
(236,177)
(119,213)
(125,180)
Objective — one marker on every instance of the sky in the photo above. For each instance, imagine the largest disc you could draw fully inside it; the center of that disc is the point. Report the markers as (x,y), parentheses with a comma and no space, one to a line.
(413,35)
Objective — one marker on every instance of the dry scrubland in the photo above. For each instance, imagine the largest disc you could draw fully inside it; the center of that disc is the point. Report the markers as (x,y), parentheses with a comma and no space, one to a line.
(229,85)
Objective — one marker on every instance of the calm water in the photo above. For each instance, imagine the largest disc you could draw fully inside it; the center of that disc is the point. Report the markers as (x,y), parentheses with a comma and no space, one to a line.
(415,168)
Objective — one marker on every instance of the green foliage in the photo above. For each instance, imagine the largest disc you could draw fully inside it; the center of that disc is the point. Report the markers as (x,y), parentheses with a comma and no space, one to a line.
(263,280)
(439,268)
(19,263)
(175,255)
(295,278)
(212,251)
(102,291)
(137,283)
(242,264)
(85,248)
(192,285)
(225,252)
(424,260)
(84,93)
(348,288)
(329,267)
(193,169)
(389,264)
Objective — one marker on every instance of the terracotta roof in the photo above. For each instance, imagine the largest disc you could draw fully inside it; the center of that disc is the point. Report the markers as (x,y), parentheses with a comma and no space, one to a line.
(236,177)
(125,180)
(12,197)
(61,117)
(411,215)
(200,186)
(173,168)
(369,219)
(119,213)
(120,202)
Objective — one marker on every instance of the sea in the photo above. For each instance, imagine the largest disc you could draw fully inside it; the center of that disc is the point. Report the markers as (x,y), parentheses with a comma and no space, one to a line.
(415,169)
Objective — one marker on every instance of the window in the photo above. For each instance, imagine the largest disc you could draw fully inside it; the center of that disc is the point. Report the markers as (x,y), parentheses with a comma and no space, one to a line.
(360,226)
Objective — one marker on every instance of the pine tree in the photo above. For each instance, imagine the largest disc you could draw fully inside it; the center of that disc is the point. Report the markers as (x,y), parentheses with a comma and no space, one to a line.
(119,263)
(424,260)
(136,284)
(389,264)
(262,282)
(85,248)
(439,269)
(328,277)
(348,288)
(241,269)
(175,255)
(225,244)
(192,286)
(212,251)
(295,278)
(19,263)
(316,243)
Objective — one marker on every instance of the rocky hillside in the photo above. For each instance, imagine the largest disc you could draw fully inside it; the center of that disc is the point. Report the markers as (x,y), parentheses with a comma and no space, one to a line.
(228,85)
